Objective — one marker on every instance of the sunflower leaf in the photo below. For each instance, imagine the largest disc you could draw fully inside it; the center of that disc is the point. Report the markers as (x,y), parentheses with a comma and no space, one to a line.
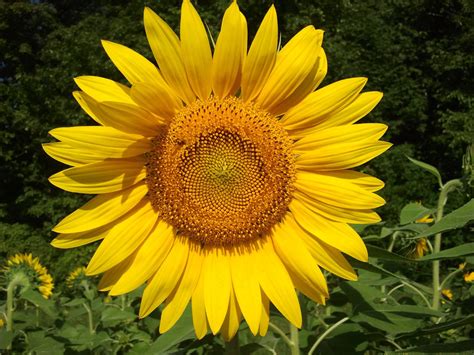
(412,212)
(456,219)
(456,252)
(430,168)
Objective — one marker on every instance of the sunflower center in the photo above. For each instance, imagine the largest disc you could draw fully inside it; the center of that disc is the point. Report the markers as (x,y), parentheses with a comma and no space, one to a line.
(222,172)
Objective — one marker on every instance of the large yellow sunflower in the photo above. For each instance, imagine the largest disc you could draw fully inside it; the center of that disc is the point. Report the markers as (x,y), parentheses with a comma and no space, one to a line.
(222,176)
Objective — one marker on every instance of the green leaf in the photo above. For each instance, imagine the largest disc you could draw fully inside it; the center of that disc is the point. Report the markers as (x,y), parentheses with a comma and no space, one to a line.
(430,168)
(456,219)
(112,316)
(438,328)
(412,212)
(379,253)
(391,323)
(392,319)
(39,343)
(43,304)
(75,302)
(456,252)
(446,348)
(6,338)
(183,330)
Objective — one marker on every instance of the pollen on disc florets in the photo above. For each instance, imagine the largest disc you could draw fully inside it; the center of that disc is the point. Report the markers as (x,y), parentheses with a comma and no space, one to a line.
(222,173)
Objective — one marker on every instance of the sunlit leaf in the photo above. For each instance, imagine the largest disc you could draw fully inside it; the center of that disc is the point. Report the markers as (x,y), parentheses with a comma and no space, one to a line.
(183,330)
(456,219)
(35,298)
(412,212)
(456,252)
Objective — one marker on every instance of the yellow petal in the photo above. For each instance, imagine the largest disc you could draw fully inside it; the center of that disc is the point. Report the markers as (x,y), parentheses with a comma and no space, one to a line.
(338,235)
(232,320)
(228,59)
(265,316)
(217,287)
(166,278)
(246,287)
(107,140)
(157,99)
(261,57)
(179,299)
(195,50)
(322,67)
(307,85)
(130,118)
(124,238)
(89,105)
(110,277)
(100,178)
(167,50)
(199,309)
(102,210)
(298,260)
(72,156)
(135,67)
(336,190)
(276,283)
(343,134)
(293,65)
(350,114)
(338,214)
(101,89)
(325,255)
(149,256)
(362,180)
(73,240)
(341,156)
(314,108)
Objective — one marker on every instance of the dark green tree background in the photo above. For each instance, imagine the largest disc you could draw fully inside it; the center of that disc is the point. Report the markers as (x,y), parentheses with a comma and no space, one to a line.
(419,53)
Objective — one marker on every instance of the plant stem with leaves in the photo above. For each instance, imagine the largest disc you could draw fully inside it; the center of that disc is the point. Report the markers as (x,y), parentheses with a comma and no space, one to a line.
(443,197)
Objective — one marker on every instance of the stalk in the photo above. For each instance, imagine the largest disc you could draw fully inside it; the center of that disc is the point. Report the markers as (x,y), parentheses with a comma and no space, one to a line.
(443,197)
(19,279)
(294,336)
(90,318)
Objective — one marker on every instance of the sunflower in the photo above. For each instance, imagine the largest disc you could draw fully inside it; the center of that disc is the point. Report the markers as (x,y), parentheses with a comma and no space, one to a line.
(420,249)
(469,276)
(222,177)
(76,276)
(36,273)
(447,293)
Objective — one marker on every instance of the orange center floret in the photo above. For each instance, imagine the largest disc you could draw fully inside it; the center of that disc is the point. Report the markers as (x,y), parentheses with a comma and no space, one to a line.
(222,173)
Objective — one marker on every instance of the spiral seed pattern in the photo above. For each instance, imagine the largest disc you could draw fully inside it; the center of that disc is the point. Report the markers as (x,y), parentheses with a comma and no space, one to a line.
(222,173)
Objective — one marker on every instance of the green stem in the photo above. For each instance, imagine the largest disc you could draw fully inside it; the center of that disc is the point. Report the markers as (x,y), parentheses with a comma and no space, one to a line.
(449,277)
(91,320)
(443,197)
(294,336)
(232,347)
(329,330)
(390,248)
(19,279)
(282,334)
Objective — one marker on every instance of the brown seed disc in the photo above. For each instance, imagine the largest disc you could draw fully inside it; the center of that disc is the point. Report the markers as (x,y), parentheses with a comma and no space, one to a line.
(222,173)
